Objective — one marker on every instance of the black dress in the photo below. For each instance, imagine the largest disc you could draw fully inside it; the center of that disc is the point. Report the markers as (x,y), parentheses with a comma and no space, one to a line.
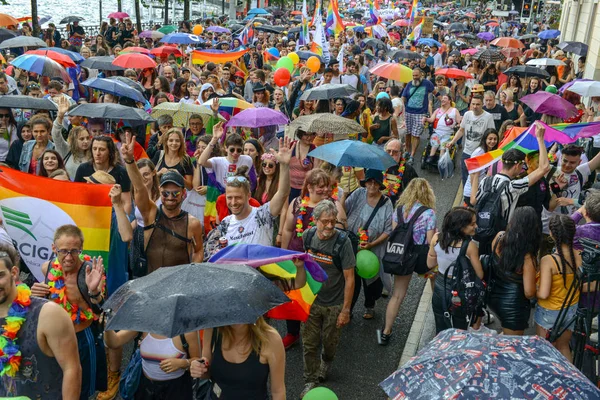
(507,300)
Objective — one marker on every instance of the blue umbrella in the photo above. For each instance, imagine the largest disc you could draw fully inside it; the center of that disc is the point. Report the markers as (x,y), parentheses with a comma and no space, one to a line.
(181,38)
(429,42)
(41,65)
(76,57)
(114,87)
(549,34)
(258,11)
(466,365)
(353,153)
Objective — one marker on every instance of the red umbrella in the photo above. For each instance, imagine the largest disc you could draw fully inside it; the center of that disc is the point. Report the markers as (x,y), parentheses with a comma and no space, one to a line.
(165,51)
(135,49)
(62,59)
(134,60)
(508,42)
(296,12)
(454,73)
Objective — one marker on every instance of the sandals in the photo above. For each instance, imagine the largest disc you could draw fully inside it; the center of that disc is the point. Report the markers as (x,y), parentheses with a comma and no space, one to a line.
(369,313)
(382,338)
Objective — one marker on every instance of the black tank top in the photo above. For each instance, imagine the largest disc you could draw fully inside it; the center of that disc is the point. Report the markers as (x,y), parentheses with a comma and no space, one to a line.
(39,376)
(247,380)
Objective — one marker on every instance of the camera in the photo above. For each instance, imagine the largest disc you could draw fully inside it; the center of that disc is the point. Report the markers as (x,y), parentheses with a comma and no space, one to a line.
(590,255)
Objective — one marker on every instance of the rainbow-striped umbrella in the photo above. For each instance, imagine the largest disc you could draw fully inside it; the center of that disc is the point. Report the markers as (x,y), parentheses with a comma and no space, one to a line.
(41,65)
(230,105)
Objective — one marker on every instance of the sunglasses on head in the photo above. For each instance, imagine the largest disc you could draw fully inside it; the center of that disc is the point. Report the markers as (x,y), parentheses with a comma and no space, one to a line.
(167,193)
(240,179)
(235,150)
(268,165)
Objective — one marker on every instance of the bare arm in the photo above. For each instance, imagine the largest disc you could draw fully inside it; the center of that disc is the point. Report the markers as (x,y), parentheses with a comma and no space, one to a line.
(123,224)
(288,228)
(545,284)
(142,197)
(431,254)
(544,165)
(529,273)
(348,290)
(457,137)
(473,254)
(196,228)
(283,156)
(116,340)
(276,360)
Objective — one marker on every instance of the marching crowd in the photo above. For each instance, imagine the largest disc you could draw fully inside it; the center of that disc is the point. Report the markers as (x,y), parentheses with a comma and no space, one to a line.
(273,193)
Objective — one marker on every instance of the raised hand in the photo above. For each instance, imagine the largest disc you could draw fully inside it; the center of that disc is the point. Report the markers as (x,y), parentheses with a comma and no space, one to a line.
(215,105)
(115,195)
(218,131)
(127,147)
(540,130)
(286,147)
(63,105)
(94,274)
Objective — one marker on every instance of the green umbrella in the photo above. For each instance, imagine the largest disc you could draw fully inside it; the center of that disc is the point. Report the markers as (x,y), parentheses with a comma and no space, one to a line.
(168,29)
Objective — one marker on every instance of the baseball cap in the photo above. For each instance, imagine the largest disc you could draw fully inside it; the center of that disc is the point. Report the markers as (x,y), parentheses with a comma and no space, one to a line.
(172,176)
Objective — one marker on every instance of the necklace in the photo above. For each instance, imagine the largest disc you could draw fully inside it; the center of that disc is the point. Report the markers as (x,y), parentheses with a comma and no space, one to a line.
(335,193)
(300,220)
(392,186)
(10,355)
(58,293)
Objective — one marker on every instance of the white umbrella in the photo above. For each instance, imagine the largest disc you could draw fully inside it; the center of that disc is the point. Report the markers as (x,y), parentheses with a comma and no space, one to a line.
(539,62)
(586,89)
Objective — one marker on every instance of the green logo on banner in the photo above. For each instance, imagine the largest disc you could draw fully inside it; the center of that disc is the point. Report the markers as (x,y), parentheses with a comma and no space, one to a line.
(18,220)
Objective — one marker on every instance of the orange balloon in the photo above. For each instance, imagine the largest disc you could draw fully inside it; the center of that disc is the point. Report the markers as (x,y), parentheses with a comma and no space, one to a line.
(198,29)
(313,64)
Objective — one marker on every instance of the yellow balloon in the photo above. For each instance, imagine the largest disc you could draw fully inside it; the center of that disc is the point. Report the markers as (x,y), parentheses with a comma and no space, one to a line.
(198,29)
(294,57)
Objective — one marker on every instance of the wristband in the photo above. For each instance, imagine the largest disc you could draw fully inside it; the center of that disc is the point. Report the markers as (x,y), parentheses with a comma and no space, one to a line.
(129,162)
(95,296)
(555,188)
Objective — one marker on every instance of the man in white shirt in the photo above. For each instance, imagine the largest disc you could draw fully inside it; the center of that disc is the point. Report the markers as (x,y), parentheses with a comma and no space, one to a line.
(437,57)
(350,77)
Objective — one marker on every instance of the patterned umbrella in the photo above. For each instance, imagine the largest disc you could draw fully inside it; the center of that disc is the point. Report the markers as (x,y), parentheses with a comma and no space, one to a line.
(181,112)
(465,365)
(340,127)
(62,59)
(489,55)
(41,65)
(394,71)
(230,105)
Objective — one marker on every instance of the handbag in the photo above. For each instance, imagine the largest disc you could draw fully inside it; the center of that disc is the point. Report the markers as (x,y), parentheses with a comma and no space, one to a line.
(130,378)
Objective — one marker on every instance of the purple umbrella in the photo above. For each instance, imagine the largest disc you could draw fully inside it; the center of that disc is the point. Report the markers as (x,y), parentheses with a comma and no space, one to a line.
(258,117)
(218,29)
(487,36)
(551,104)
(151,35)
(567,85)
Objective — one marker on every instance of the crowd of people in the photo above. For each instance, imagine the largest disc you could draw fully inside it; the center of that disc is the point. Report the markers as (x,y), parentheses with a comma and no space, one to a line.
(272,192)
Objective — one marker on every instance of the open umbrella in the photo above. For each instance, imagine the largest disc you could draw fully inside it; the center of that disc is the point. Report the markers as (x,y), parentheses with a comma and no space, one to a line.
(549,103)
(325,123)
(181,38)
(230,105)
(70,19)
(375,43)
(585,89)
(468,36)
(112,111)
(466,365)
(453,73)
(151,35)
(328,91)
(258,11)
(549,34)
(404,54)
(167,29)
(76,57)
(218,29)
(401,22)
(101,63)
(6,34)
(41,65)
(164,51)
(114,87)
(22,41)
(567,85)
(135,49)
(181,112)
(489,55)
(538,62)
(487,36)
(270,29)
(191,297)
(129,82)
(508,42)
(26,102)
(394,71)
(258,117)
(118,15)
(62,59)
(527,36)
(354,153)
(134,60)
(510,52)
(429,42)
(457,27)
(527,70)
(578,48)
(469,51)
(457,43)
(7,20)
(305,55)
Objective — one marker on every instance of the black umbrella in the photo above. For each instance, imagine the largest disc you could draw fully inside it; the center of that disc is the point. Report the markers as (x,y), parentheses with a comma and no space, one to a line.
(328,91)
(270,29)
(526,70)
(444,18)
(26,102)
(295,29)
(489,55)
(70,19)
(22,41)
(175,300)
(527,36)
(468,36)
(403,53)
(438,23)
(112,111)
(6,34)
(457,43)
(578,48)
(103,62)
(457,27)
(375,43)
(305,55)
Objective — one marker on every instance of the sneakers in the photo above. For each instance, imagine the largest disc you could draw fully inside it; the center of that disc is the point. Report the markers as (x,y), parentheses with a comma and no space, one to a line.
(324,370)
(382,338)
(113,386)
(307,388)
(289,340)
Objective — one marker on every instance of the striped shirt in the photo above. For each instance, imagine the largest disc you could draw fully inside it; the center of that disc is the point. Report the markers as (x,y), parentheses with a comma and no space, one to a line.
(509,195)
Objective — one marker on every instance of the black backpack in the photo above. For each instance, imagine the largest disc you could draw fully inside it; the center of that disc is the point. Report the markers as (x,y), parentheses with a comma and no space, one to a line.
(490,219)
(402,256)
(466,289)
(337,247)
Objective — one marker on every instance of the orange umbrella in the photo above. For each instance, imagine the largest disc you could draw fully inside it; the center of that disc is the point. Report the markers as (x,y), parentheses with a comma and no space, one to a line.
(62,59)
(296,12)
(6,20)
(134,60)
(507,42)
(394,71)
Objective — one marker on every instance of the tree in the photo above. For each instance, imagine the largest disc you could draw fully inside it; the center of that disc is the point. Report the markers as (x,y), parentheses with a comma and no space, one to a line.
(166,21)
(34,19)
(119,6)
(138,17)
(186,10)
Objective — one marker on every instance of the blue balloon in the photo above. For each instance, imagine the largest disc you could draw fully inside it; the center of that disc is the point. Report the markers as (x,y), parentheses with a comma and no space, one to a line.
(273,51)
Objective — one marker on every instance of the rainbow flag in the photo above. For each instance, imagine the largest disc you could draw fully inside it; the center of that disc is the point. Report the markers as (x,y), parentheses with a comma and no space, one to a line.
(413,11)
(32,208)
(316,48)
(316,12)
(303,38)
(278,262)
(415,34)
(218,57)
(334,23)
(374,15)
(213,191)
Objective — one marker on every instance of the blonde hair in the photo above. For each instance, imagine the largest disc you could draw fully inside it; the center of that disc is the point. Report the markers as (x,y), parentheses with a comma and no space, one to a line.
(257,335)
(418,190)
(165,138)
(73,137)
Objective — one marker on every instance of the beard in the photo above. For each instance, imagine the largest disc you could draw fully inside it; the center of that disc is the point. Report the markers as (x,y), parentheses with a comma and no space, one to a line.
(416,82)
(5,292)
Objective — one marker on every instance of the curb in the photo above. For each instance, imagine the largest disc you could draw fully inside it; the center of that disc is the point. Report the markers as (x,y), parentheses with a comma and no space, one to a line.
(416,331)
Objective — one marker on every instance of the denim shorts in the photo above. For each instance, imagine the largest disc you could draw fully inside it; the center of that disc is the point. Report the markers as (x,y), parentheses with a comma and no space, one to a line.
(546,318)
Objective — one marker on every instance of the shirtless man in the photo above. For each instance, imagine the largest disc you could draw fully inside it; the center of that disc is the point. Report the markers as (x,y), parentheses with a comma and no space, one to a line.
(83,278)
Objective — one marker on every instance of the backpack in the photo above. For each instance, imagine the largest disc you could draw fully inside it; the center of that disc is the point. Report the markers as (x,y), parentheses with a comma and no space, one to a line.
(466,289)
(337,247)
(402,256)
(490,220)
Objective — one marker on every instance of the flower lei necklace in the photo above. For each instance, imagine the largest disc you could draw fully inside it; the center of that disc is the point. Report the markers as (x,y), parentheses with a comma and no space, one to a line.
(58,293)
(10,355)
(393,186)
(300,219)
(363,236)
(335,192)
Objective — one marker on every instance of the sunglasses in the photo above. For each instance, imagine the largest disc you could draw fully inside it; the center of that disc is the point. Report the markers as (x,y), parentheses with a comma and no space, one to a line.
(167,193)
(235,150)
(267,165)
(241,179)
(4,115)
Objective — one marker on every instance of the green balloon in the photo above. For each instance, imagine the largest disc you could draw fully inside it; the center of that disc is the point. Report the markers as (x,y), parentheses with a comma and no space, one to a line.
(285,62)
(367,264)
(320,393)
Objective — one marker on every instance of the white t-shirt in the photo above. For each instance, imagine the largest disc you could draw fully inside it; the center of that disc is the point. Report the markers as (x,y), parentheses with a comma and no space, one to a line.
(442,128)
(467,189)
(351,80)
(397,103)
(256,228)
(224,169)
(474,127)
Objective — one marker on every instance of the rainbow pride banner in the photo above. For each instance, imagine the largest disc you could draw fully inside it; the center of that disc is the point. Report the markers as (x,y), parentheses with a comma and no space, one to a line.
(276,262)
(200,57)
(33,207)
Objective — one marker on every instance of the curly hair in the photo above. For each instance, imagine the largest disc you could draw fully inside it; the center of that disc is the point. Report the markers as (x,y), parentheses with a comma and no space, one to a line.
(418,190)
(562,229)
(523,237)
(455,221)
